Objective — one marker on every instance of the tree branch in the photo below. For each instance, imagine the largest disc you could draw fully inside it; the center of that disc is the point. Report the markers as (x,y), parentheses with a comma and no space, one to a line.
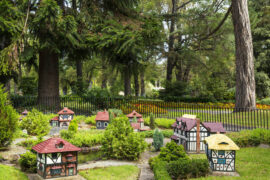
(183,5)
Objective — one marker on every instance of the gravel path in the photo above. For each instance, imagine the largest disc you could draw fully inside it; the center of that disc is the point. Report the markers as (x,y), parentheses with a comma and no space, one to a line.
(101,164)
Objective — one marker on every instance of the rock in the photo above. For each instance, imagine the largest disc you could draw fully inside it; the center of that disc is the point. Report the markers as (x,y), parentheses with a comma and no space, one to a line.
(14,158)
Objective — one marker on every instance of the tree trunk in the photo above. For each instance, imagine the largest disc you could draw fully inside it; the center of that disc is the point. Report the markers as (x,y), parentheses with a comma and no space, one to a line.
(136,84)
(245,96)
(142,83)
(127,81)
(79,75)
(48,81)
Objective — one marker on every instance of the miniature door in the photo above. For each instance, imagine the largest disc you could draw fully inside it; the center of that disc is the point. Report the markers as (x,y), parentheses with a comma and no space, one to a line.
(70,171)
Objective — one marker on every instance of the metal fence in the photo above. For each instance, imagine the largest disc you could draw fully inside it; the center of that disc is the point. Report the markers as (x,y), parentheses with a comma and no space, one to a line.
(233,119)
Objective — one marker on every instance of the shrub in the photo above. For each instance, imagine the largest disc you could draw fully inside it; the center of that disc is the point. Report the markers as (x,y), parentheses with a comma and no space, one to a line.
(149,134)
(172,152)
(152,121)
(160,171)
(36,123)
(116,112)
(120,142)
(91,120)
(161,122)
(73,126)
(8,120)
(157,140)
(28,162)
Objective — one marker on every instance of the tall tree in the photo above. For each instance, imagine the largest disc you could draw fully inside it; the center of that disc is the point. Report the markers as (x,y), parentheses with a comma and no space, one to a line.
(245,83)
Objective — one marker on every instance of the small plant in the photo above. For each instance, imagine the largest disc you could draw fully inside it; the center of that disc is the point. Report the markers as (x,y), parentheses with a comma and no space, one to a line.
(152,121)
(172,152)
(157,139)
(73,126)
(28,162)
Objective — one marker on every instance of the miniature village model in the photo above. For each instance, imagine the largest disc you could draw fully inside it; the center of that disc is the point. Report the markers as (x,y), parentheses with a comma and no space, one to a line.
(24,114)
(139,124)
(191,133)
(102,119)
(220,152)
(63,119)
(56,157)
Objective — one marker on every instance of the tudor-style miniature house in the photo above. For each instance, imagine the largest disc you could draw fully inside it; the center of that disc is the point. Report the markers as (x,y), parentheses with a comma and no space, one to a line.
(102,119)
(24,114)
(220,151)
(191,133)
(137,122)
(63,119)
(56,157)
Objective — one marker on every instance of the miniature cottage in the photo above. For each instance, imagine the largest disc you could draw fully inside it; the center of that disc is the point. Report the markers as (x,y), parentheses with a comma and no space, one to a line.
(191,133)
(56,157)
(63,119)
(102,119)
(138,125)
(24,114)
(220,152)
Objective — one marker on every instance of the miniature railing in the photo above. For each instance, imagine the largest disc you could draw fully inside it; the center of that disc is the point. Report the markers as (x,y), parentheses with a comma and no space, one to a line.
(233,119)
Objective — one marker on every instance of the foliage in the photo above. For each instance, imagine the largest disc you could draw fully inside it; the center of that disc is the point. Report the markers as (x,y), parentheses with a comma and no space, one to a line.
(8,120)
(28,162)
(36,123)
(262,85)
(90,156)
(28,144)
(157,139)
(116,112)
(174,89)
(125,172)
(152,121)
(83,138)
(251,137)
(160,171)
(73,126)
(11,173)
(97,93)
(188,168)
(120,142)
(160,122)
(149,134)
(28,86)
(172,152)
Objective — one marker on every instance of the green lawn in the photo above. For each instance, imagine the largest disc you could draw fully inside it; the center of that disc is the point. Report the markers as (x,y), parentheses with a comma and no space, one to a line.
(251,163)
(11,173)
(126,172)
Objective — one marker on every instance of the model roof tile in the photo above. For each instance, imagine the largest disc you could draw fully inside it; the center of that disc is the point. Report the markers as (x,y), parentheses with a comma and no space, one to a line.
(134,113)
(174,137)
(50,146)
(214,127)
(102,116)
(65,111)
(56,118)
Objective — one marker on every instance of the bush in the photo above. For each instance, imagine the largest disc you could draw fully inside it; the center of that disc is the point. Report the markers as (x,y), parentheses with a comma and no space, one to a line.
(28,162)
(149,134)
(157,140)
(152,121)
(188,168)
(172,152)
(73,126)
(262,84)
(160,171)
(8,120)
(36,123)
(116,112)
(251,137)
(120,142)
(160,122)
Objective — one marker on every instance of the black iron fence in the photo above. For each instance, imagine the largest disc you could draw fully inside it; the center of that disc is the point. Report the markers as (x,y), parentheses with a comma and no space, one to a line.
(233,119)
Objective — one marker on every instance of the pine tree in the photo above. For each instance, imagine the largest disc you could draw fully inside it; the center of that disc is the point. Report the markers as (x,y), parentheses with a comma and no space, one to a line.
(157,139)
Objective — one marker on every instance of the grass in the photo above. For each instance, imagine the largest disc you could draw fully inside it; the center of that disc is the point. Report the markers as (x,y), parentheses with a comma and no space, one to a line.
(91,156)
(11,173)
(126,172)
(251,163)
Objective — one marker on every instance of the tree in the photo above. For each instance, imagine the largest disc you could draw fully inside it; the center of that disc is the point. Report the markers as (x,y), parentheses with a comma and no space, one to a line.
(157,139)
(245,96)
(8,120)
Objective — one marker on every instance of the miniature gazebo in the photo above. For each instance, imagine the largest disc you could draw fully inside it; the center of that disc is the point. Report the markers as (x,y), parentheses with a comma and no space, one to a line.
(56,158)
(190,132)
(102,119)
(63,119)
(23,114)
(220,152)
(138,125)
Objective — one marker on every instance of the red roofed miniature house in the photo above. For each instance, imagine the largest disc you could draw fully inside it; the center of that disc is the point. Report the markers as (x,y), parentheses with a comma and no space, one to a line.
(102,119)
(63,119)
(24,113)
(139,124)
(191,133)
(56,157)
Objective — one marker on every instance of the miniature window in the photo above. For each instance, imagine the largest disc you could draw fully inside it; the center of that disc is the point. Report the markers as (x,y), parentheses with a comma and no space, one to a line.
(40,156)
(56,171)
(221,152)
(69,158)
(54,155)
(105,124)
(98,124)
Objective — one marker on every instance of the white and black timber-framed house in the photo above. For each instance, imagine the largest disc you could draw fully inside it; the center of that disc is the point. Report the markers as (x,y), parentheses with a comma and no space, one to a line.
(63,119)
(221,152)
(102,119)
(56,158)
(191,133)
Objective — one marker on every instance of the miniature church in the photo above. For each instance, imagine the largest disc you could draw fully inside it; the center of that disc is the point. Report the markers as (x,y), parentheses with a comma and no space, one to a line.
(63,119)
(220,151)
(137,122)
(102,119)
(56,158)
(190,132)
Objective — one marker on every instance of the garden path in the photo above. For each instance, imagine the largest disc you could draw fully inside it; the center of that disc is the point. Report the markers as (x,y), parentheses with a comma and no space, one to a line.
(106,163)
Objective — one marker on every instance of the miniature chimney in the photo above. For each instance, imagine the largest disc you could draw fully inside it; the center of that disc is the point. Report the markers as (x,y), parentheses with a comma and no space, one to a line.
(198,139)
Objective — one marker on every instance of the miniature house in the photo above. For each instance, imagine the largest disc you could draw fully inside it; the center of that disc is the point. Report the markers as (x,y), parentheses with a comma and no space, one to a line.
(63,119)
(220,152)
(191,133)
(138,125)
(56,158)
(102,119)
(24,114)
